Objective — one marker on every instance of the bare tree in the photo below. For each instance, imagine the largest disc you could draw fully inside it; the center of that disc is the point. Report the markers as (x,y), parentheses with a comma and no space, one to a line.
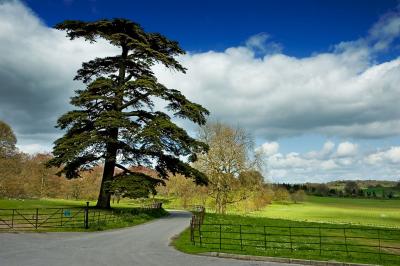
(231,152)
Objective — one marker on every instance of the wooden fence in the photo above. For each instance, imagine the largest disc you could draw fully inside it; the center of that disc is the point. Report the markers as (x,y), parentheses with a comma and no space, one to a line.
(62,217)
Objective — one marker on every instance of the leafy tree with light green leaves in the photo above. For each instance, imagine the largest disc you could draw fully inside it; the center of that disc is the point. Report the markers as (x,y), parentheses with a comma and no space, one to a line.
(116,123)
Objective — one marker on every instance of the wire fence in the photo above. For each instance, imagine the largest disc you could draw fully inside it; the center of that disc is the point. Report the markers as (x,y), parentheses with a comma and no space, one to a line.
(63,217)
(383,244)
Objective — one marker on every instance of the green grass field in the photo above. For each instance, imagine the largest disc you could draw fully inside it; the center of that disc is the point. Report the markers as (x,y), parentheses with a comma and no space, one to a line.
(292,239)
(126,214)
(43,203)
(369,212)
(378,215)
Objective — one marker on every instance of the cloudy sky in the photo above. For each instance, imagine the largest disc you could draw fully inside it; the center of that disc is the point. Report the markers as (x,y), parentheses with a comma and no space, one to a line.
(317,83)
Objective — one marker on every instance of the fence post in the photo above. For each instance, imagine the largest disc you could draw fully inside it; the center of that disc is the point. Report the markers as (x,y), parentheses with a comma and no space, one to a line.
(241,240)
(220,236)
(37,217)
(290,234)
(192,231)
(200,235)
(345,241)
(265,239)
(86,218)
(61,216)
(320,241)
(379,238)
(12,219)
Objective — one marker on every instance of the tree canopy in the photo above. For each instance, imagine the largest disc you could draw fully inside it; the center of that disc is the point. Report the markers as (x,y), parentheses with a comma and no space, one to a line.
(230,164)
(116,122)
(7,141)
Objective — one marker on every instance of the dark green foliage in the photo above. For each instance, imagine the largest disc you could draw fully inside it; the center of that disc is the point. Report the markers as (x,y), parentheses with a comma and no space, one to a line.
(132,185)
(351,188)
(115,122)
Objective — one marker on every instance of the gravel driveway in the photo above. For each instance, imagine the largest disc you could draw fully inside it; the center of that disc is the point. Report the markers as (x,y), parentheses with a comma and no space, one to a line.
(145,244)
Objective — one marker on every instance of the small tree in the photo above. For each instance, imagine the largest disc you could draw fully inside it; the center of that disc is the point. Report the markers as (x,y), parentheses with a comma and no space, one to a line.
(182,188)
(115,122)
(230,154)
(298,196)
(281,194)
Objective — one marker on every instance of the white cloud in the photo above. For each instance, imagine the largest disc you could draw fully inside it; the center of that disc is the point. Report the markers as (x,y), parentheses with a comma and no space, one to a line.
(391,155)
(259,43)
(37,66)
(329,165)
(346,149)
(352,164)
(386,30)
(33,148)
(269,148)
(343,93)
(326,150)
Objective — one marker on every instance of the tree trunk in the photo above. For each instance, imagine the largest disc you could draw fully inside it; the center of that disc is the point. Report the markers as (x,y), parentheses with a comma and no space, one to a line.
(104,198)
(111,154)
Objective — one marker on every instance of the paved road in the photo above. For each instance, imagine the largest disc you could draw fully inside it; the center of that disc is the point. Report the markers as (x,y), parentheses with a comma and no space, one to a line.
(145,245)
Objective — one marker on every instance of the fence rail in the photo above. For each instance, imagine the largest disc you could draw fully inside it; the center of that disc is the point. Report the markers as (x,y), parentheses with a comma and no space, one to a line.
(63,217)
(320,240)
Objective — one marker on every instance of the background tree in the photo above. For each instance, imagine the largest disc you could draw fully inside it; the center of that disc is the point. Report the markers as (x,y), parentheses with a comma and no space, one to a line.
(182,188)
(10,163)
(116,122)
(298,196)
(351,188)
(321,190)
(7,141)
(281,194)
(230,154)
(40,181)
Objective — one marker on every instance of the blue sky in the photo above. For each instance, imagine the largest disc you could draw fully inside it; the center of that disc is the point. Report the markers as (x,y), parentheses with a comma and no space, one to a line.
(315,82)
(303,27)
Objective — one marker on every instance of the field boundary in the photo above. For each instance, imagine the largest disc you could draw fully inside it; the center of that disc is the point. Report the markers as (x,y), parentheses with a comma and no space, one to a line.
(26,219)
(314,242)
(281,260)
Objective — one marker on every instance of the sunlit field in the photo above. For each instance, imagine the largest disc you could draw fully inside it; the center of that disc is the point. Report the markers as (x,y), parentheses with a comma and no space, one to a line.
(371,212)
(47,203)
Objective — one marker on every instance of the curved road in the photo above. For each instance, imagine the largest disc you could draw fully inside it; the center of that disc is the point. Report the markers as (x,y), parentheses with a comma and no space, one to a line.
(145,244)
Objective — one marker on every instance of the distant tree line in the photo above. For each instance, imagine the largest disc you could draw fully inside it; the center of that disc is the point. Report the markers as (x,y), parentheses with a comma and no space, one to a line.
(26,176)
(348,189)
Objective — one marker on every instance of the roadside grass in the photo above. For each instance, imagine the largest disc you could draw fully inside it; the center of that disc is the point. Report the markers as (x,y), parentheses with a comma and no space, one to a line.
(127,218)
(365,212)
(121,215)
(252,240)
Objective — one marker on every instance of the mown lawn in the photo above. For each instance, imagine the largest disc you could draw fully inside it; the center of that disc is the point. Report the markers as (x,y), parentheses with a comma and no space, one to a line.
(368,212)
(286,238)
